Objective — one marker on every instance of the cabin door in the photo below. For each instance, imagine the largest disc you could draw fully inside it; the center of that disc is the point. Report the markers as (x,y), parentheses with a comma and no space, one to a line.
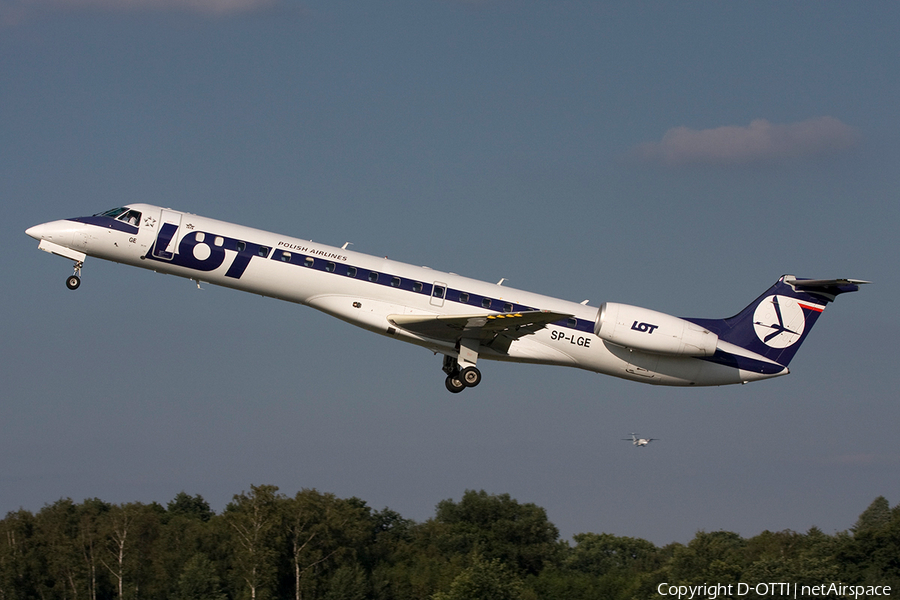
(167,235)
(438,293)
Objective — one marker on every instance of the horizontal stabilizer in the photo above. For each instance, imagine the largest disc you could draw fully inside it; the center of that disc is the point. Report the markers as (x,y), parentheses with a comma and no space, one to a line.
(829,288)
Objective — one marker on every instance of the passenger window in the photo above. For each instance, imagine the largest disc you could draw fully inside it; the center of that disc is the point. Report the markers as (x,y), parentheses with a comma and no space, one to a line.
(464,298)
(438,291)
(507,307)
(395,282)
(486,303)
(373,276)
(309,261)
(241,246)
(330,267)
(572,322)
(351,271)
(263,251)
(417,286)
(200,237)
(218,241)
(286,256)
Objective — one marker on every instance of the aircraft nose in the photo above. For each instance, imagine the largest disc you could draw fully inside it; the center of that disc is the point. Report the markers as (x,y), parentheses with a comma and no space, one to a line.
(58,232)
(38,231)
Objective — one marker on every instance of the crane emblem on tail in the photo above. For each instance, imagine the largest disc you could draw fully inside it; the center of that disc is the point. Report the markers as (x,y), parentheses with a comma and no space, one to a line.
(779,321)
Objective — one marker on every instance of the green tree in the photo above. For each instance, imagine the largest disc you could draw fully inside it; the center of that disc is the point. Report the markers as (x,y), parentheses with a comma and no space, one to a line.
(199,580)
(255,525)
(499,527)
(21,567)
(322,529)
(129,532)
(484,580)
(192,507)
(416,568)
(91,514)
(348,583)
(717,555)
(603,565)
(872,555)
(187,531)
(57,525)
(875,517)
(603,553)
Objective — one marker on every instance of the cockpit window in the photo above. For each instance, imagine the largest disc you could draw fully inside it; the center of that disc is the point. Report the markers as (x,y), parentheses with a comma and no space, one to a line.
(132,217)
(113,213)
(124,214)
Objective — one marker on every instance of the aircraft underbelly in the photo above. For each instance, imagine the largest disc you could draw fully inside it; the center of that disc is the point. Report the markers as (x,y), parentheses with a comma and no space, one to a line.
(657,369)
(532,350)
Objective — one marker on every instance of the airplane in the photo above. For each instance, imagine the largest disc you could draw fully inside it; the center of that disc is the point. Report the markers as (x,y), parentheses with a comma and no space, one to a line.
(460,318)
(639,441)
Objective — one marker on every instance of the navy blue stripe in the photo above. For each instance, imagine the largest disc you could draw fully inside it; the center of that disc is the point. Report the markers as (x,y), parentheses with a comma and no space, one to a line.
(410,285)
(744,363)
(108,223)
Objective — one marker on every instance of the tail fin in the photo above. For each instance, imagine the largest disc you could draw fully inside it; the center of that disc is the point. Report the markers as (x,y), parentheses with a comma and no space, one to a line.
(775,324)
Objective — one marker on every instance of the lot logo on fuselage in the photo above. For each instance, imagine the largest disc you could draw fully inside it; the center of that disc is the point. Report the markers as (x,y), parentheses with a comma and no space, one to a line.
(779,321)
(205,251)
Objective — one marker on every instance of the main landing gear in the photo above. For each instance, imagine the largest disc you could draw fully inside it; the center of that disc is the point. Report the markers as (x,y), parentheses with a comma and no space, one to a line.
(460,377)
(74,280)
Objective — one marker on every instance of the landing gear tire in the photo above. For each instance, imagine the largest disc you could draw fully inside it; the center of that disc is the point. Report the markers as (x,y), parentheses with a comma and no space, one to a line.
(470,376)
(454,385)
(73,282)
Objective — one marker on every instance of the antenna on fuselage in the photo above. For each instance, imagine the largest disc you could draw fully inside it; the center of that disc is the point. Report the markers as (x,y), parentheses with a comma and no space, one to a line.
(344,247)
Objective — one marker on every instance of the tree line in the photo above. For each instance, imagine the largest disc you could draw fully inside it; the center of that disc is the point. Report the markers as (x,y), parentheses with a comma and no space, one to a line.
(314,545)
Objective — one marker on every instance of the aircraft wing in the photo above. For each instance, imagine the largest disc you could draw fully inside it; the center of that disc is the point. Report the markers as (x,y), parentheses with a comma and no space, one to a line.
(496,331)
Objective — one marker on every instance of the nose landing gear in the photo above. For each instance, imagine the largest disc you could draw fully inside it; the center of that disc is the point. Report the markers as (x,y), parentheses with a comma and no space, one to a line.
(74,280)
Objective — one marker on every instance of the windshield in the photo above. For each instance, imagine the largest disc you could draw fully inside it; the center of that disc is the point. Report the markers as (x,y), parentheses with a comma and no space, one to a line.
(122,214)
(115,212)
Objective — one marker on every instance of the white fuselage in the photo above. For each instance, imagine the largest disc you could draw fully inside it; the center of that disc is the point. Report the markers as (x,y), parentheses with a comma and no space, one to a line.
(365,290)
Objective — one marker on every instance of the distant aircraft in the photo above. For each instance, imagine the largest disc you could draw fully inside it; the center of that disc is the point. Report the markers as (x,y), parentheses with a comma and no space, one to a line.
(460,318)
(639,441)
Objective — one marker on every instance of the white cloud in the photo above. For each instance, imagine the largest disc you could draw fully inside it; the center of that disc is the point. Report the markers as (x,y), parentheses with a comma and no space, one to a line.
(759,142)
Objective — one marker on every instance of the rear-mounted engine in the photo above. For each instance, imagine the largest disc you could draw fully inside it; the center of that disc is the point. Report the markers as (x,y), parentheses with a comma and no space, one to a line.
(650,331)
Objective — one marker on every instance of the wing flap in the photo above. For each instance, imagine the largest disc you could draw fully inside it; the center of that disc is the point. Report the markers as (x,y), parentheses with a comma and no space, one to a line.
(486,328)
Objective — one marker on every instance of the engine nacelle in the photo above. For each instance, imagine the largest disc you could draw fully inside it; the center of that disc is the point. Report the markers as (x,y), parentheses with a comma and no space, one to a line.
(650,331)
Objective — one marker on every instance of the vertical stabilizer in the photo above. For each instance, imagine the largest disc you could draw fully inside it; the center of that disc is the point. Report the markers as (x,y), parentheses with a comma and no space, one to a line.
(775,324)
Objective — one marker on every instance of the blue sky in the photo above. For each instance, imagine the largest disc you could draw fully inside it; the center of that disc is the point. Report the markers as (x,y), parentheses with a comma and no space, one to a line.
(675,156)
